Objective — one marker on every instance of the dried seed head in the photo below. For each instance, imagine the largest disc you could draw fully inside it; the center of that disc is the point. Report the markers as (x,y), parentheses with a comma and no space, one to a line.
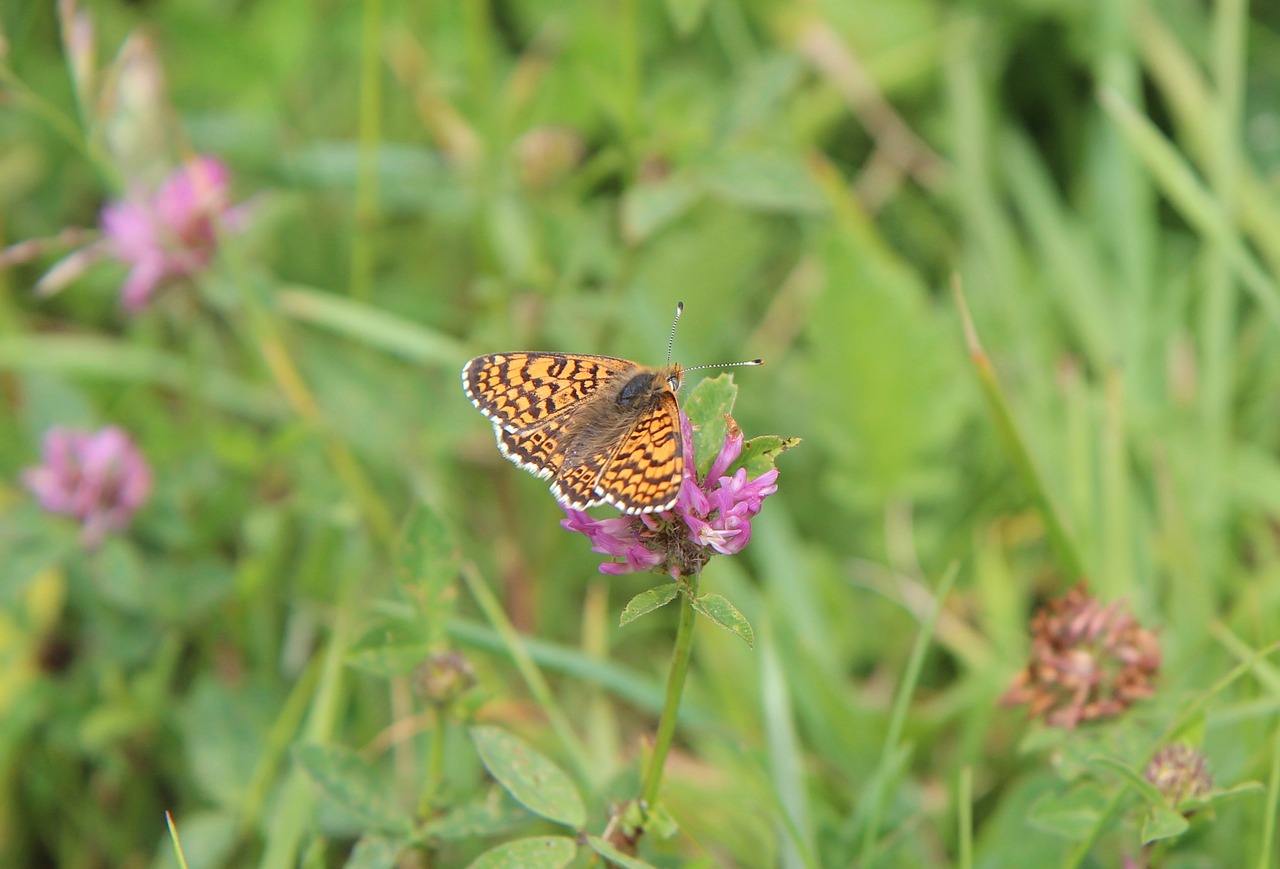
(1088,662)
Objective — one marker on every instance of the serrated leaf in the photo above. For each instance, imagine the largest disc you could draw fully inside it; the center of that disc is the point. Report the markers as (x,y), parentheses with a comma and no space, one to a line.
(614,856)
(708,408)
(648,601)
(718,608)
(1162,822)
(374,852)
(539,852)
(760,453)
(529,776)
(348,780)
(1072,814)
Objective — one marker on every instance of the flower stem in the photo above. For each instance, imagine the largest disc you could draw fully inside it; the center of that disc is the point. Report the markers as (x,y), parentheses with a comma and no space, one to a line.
(671,705)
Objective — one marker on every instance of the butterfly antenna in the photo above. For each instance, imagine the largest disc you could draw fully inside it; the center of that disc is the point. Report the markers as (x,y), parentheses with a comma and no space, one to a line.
(725,365)
(671,339)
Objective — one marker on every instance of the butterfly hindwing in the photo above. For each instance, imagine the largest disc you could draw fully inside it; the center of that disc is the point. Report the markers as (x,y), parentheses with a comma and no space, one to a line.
(575,485)
(645,473)
(539,451)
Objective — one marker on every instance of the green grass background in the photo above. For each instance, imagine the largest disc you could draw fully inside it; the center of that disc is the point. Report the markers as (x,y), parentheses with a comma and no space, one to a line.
(808,178)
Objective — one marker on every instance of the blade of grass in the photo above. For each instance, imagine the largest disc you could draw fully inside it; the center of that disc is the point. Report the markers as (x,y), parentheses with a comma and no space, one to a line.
(96,357)
(786,764)
(529,672)
(370,326)
(964,818)
(1186,93)
(893,748)
(294,813)
(1266,847)
(177,845)
(366,194)
(1217,328)
(1189,196)
(1014,446)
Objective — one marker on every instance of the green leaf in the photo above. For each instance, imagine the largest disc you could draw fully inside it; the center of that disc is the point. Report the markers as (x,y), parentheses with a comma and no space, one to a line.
(768,181)
(1162,822)
(648,601)
(614,856)
(646,208)
(760,453)
(493,814)
(529,776)
(659,822)
(380,655)
(374,852)
(686,15)
(717,608)
(1133,777)
(426,566)
(1072,815)
(1249,787)
(539,852)
(708,408)
(426,547)
(348,780)
(879,330)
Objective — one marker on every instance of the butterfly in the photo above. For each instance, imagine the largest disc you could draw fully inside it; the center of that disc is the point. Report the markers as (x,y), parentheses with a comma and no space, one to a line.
(604,430)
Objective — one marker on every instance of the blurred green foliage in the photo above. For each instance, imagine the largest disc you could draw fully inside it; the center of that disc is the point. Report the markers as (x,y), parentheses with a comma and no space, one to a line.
(435,180)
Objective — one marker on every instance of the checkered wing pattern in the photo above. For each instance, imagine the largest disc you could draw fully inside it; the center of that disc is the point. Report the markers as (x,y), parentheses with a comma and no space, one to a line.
(540,451)
(520,392)
(626,453)
(645,473)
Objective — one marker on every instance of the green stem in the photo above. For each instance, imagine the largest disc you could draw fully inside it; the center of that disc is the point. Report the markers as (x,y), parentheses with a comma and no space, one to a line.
(366,200)
(435,767)
(671,705)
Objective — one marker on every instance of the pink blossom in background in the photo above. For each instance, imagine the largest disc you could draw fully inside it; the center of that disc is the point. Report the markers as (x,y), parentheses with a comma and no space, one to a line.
(711,516)
(99,478)
(172,233)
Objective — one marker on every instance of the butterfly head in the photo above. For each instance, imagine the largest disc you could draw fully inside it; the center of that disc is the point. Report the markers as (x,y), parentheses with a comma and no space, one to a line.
(675,376)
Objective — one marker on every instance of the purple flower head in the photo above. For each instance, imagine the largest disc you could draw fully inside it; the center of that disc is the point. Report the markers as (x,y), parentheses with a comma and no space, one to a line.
(712,515)
(172,233)
(99,478)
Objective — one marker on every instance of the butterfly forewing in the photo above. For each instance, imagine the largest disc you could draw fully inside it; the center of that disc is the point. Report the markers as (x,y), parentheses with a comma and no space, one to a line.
(520,391)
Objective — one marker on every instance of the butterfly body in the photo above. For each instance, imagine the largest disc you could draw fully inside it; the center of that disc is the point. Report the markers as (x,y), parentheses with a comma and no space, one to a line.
(603,429)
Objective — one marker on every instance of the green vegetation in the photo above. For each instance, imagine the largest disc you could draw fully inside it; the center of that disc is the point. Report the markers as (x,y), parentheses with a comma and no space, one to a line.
(1013,265)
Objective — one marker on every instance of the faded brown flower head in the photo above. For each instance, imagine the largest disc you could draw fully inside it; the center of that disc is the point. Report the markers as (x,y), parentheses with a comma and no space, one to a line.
(1088,662)
(546,155)
(444,677)
(1179,772)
